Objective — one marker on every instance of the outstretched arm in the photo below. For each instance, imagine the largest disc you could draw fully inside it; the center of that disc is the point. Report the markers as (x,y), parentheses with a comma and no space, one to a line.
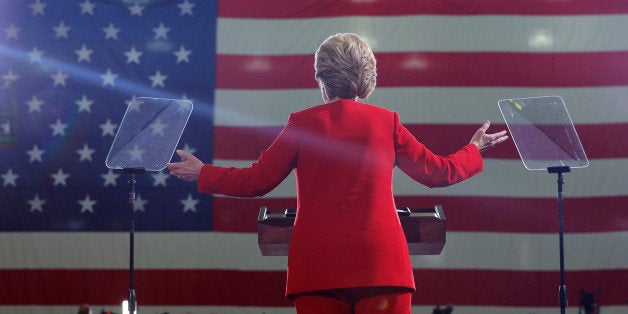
(484,141)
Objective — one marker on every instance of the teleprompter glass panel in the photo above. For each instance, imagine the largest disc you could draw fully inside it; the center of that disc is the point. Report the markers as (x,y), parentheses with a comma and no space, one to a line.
(149,133)
(543,132)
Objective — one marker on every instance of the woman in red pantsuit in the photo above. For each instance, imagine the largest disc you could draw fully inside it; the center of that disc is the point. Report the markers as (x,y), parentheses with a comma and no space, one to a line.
(348,252)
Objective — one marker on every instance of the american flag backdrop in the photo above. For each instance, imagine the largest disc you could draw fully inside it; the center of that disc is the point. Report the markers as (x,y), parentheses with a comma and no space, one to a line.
(68,70)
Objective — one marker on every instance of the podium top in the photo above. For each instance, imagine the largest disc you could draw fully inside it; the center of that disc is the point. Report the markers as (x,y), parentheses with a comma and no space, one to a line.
(543,132)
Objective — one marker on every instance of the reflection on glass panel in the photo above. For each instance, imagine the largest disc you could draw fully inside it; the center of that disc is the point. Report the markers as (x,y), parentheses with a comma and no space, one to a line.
(543,132)
(149,133)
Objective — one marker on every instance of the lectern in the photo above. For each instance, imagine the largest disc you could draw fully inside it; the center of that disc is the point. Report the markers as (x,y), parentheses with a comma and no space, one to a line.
(424,230)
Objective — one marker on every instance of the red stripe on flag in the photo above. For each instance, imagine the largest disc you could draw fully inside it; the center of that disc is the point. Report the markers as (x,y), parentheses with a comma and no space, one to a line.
(514,288)
(153,287)
(278,9)
(246,143)
(432,136)
(266,288)
(264,72)
(463,213)
(240,142)
(465,69)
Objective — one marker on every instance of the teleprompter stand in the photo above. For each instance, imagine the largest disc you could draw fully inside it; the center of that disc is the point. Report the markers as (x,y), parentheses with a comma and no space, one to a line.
(146,140)
(546,140)
(562,289)
(131,297)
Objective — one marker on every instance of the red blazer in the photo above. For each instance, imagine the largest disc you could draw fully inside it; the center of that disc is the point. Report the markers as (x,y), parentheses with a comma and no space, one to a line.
(347,232)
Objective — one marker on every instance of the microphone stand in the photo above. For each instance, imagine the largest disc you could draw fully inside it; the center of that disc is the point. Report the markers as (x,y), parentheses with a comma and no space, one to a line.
(132,303)
(562,289)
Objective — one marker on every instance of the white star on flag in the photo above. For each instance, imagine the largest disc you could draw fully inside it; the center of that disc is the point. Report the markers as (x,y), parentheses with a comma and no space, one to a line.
(59,78)
(158,79)
(11,31)
(134,105)
(108,78)
(87,7)
(133,56)
(37,8)
(58,128)
(183,54)
(61,30)
(188,149)
(158,127)
(10,76)
(110,178)
(85,153)
(160,178)
(136,9)
(111,32)
(6,127)
(161,31)
(84,104)
(87,204)
(136,153)
(35,154)
(139,203)
(35,55)
(59,178)
(108,128)
(186,7)
(34,105)
(36,203)
(9,178)
(189,204)
(84,54)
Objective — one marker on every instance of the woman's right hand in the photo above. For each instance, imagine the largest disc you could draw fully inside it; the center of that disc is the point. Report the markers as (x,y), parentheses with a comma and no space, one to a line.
(484,141)
(188,169)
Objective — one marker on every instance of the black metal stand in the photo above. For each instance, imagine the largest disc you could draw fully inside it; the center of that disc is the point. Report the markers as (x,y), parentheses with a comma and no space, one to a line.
(131,297)
(562,289)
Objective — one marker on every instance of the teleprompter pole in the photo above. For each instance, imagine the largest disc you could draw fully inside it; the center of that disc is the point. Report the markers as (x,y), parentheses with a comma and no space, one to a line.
(132,301)
(562,288)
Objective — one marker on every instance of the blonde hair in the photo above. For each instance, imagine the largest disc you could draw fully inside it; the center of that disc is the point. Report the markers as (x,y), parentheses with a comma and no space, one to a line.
(345,67)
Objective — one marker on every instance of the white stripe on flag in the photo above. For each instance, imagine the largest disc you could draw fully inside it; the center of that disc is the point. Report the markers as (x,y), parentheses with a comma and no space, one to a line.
(239,251)
(608,176)
(421,105)
(426,33)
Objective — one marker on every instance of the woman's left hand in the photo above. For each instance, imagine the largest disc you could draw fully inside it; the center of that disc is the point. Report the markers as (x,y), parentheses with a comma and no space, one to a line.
(485,141)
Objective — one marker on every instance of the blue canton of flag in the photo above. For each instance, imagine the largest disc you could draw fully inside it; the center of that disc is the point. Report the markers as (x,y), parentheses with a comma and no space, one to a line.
(67,72)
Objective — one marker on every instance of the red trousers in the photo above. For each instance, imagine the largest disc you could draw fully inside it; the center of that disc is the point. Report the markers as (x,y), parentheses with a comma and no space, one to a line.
(363,300)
